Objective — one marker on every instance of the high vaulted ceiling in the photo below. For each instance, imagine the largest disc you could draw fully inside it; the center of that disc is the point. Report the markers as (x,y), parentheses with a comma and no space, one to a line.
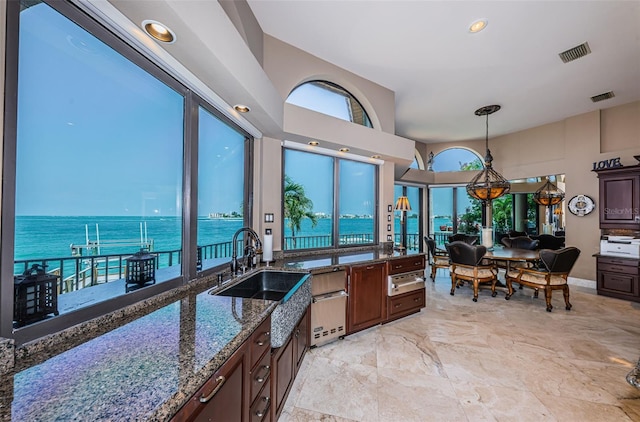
(441,73)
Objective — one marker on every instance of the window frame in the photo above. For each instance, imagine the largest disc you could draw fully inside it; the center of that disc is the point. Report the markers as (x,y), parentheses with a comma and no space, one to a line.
(335,224)
(189,198)
(335,88)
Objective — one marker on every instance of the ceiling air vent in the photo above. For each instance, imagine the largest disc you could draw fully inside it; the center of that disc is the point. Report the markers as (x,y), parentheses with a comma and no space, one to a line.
(602,97)
(575,53)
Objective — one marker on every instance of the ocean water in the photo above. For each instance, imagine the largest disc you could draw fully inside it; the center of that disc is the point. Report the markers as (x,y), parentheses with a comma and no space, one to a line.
(52,236)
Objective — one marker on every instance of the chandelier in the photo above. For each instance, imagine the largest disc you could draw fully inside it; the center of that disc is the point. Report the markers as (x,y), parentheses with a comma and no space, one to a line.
(488,184)
(548,195)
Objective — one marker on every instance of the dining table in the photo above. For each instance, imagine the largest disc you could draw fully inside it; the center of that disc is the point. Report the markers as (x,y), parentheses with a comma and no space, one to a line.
(510,256)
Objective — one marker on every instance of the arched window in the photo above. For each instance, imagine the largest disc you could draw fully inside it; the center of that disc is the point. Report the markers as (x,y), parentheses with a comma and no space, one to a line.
(457,159)
(331,99)
(417,163)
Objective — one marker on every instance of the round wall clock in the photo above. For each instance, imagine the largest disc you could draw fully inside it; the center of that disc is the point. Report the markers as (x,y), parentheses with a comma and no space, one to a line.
(581,205)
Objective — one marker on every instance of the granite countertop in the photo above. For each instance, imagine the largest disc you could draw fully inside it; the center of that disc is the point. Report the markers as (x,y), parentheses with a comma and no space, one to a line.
(145,366)
(144,370)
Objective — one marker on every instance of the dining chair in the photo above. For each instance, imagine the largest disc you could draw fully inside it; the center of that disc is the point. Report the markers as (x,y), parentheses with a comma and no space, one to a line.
(548,241)
(438,258)
(467,238)
(467,264)
(520,242)
(551,275)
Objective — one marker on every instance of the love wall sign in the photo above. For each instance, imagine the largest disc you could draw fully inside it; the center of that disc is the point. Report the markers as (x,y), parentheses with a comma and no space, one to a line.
(607,164)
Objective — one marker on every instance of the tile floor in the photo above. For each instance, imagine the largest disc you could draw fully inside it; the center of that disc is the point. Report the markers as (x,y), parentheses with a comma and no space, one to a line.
(494,360)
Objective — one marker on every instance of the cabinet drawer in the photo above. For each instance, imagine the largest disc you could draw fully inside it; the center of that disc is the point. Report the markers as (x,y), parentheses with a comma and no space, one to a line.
(618,268)
(404,265)
(260,341)
(260,375)
(618,261)
(408,302)
(618,283)
(261,408)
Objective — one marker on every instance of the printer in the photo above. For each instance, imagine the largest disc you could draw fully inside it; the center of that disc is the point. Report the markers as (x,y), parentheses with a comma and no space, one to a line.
(622,246)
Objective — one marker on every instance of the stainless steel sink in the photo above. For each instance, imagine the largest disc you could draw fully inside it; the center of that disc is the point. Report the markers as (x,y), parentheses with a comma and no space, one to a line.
(278,286)
(291,289)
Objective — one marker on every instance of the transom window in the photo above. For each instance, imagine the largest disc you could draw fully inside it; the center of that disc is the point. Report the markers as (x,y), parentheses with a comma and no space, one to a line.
(457,159)
(331,99)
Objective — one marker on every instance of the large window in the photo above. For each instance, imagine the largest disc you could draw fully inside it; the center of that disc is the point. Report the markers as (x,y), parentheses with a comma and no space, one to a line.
(94,170)
(220,204)
(452,210)
(408,228)
(357,202)
(312,198)
(331,99)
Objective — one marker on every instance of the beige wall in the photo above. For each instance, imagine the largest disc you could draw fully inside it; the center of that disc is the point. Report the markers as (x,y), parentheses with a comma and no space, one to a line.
(568,147)
(288,67)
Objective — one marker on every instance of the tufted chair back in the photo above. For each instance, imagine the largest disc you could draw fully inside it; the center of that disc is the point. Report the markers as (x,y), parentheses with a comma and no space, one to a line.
(470,239)
(463,253)
(520,242)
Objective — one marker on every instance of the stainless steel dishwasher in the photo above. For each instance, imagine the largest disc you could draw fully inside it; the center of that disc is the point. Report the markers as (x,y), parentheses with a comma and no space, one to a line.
(329,305)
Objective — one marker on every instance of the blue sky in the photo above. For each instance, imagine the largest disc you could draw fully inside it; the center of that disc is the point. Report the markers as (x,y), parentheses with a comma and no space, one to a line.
(97,135)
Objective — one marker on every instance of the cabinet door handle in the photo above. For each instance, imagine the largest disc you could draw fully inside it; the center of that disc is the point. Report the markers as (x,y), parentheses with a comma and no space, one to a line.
(397,305)
(370,267)
(220,380)
(265,334)
(267,371)
(261,413)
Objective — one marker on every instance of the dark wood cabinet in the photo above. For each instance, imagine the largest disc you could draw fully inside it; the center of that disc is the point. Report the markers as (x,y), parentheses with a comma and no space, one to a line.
(302,338)
(286,361)
(367,289)
(619,277)
(223,396)
(620,198)
(260,374)
(405,304)
(240,389)
(405,265)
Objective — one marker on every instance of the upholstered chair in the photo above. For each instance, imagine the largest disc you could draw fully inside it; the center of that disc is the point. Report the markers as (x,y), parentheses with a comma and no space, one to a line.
(438,258)
(520,242)
(548,241)
(467,264)
(515,233)
(551,275)
(466,238)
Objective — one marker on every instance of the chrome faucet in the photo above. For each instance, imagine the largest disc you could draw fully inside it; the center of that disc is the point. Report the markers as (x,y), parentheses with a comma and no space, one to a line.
(249,251)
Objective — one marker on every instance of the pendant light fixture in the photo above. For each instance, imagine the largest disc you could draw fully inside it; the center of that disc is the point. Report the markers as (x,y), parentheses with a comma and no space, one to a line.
(548,195)
(488,184)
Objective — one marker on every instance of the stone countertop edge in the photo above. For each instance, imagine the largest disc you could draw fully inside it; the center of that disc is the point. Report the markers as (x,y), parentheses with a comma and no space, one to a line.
(170,407)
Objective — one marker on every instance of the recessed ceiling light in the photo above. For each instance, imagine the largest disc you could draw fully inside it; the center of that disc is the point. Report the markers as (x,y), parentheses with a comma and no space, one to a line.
(314,143)
(240,108)
(344,150)
(478,26)
(159,31)
(377,157)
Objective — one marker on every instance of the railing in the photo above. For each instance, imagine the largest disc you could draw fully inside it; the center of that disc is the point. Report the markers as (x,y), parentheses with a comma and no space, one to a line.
(324,241)
(78,272)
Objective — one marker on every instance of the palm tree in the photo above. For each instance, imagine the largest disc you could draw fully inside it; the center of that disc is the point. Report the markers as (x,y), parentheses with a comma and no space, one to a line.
(297,206)
(502,208)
